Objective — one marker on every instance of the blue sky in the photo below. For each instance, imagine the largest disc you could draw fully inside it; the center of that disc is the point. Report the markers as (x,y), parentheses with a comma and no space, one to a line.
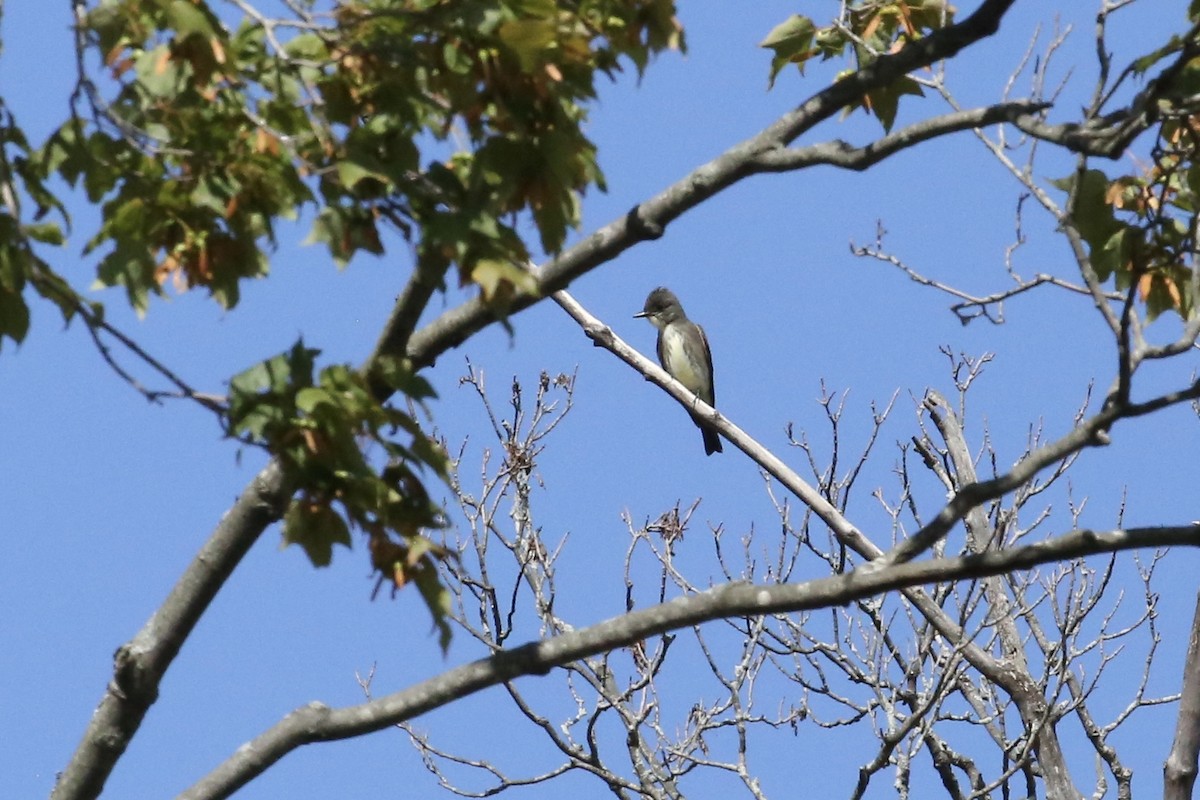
(106,498)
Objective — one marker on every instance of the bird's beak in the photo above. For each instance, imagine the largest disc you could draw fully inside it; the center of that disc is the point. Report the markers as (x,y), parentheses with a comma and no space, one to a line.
(641,314)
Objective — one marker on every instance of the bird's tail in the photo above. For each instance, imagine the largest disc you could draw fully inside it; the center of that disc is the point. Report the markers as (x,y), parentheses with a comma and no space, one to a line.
(712,442)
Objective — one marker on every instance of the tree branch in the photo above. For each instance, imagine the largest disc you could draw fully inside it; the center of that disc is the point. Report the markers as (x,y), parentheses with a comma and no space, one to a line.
(1179,771)
(317,722)
(140,664)
(841,154)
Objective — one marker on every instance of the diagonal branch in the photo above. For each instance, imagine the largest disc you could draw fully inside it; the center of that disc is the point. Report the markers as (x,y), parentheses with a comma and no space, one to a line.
(140,664)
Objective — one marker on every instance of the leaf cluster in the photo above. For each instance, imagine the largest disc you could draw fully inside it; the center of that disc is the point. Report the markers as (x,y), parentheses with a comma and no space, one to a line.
(20,265)
(450,123)
(1141,227)
(322,426)
(866,29)
(443,121)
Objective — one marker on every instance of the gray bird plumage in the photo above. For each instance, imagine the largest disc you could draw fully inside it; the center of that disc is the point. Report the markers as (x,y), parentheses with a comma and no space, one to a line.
(684,353)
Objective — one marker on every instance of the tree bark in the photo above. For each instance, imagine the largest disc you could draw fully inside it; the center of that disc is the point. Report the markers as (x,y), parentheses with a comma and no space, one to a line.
(1179,770)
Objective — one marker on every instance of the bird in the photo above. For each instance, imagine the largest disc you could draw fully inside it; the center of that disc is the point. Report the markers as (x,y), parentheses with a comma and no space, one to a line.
(684,353)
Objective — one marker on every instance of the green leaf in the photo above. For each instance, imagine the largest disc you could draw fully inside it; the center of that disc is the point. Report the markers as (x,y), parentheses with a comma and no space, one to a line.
(307,46)
(277,372)
(792,42)
(45,232)
(1093,216)
(1115,255)
(437,598)
(345,230)
(261,398)
(884,103)
(189,18)
(14,316)
(500,280)
(310,398)
(399,375)
(353,171)
(1186,82)
(1140,65)
(528,39)
(14,258)
(534,8)
(433,455)
(315,527)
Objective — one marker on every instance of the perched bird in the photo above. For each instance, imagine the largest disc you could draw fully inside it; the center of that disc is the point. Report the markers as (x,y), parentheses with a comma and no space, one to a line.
(684,354)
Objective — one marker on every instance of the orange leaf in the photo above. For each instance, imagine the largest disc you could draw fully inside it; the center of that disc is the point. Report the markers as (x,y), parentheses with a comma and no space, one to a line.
(203,266)
(164,269)
(1173,290)
(265,142)
(871,26)
(121,67)
(1144,284)
(1113,195)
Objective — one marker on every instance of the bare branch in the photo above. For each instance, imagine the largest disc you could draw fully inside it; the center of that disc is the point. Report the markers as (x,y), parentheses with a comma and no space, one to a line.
(317,722)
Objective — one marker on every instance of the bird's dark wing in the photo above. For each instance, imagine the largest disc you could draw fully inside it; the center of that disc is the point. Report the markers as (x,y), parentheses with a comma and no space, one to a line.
(712,383)
(712,442)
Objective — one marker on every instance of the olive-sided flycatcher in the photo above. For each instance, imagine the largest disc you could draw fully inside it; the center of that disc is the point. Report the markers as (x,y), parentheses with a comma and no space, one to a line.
(683,352)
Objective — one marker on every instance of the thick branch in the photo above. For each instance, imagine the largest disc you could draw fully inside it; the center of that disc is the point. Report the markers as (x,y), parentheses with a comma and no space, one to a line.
(403,320)
(141,664)
(317,722)
(1179,771)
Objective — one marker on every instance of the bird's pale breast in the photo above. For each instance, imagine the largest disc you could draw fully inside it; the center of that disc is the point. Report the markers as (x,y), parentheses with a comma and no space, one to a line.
(687,368)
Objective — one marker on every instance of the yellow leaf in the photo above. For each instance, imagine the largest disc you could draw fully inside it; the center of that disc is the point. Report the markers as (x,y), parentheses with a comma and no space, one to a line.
(500,280)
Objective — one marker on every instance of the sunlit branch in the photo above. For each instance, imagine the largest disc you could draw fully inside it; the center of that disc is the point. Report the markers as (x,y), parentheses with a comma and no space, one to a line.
(842,154)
